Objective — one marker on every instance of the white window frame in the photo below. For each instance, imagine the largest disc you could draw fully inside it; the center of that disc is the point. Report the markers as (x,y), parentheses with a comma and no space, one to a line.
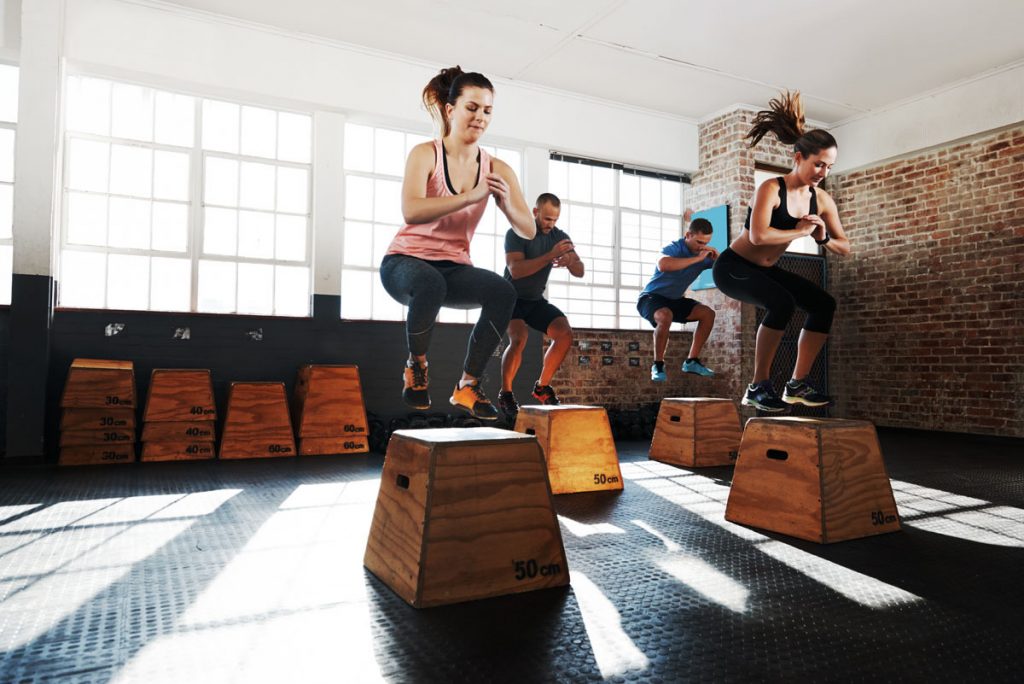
(8,242)
(195,231)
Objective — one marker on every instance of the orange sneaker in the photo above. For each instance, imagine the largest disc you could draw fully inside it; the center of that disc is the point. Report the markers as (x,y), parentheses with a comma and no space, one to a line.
(471,398)
(415,391)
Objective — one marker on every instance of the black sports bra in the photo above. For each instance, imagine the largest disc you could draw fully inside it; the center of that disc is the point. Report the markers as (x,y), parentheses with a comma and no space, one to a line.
(780,214)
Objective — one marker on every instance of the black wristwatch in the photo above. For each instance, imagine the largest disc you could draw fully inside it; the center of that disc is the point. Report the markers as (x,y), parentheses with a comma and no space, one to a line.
(827,238)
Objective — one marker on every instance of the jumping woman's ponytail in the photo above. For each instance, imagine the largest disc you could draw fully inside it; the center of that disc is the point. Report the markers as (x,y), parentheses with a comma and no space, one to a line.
(445,88)
(785,118)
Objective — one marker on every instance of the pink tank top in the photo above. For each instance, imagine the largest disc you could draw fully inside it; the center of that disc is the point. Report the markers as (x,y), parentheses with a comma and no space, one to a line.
(447,238)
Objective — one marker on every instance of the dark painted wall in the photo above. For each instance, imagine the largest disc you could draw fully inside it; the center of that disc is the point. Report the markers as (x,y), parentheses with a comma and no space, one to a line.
(224,345)
(5,349)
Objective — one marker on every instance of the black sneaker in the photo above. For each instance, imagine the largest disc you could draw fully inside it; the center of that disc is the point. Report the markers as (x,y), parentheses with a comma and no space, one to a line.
(762,396)
(471,398)
(545,394)
(799,392)
(415,391)
(508,405)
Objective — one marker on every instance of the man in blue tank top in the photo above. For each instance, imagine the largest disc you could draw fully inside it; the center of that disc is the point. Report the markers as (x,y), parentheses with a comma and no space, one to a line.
(528,265)
(662,301)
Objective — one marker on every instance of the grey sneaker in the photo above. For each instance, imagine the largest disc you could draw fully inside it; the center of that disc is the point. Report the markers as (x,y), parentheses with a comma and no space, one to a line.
(799,392)
(762,396)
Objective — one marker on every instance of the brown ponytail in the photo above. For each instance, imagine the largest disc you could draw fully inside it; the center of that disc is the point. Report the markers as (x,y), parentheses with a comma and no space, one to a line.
(445,88)
(785,118)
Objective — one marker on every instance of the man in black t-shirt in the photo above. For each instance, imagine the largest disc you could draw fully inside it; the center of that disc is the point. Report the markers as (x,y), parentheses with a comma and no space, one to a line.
(528,264)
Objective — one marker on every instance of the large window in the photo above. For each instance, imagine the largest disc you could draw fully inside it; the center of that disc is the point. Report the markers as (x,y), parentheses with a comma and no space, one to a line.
(176,203)
(8,119)
(374,167)
(619,220)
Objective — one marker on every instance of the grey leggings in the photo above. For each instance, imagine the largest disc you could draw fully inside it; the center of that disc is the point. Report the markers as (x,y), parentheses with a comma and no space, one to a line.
(426,286)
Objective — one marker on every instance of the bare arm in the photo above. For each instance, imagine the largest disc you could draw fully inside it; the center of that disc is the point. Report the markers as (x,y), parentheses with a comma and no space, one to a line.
(667,264)
(761,233)
(504,185)
(520,267)
(416,206)
(837,243)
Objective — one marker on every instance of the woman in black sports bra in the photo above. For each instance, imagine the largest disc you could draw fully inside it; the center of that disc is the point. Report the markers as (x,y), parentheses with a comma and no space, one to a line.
(784,209)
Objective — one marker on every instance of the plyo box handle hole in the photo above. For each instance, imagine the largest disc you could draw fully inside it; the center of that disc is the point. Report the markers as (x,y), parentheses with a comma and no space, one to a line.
(402,481)
(777,454)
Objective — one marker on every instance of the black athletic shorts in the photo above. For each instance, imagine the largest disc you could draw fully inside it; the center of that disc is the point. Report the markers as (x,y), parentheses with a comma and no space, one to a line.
(649,303)
(537,313)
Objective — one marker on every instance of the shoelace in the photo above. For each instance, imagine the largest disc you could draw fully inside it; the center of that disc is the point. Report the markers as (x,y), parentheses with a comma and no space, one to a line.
(419,376)
(479,392)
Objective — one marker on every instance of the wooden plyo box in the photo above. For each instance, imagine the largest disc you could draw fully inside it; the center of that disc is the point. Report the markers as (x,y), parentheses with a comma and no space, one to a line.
(97,454)
(178,451)
(578,446)
(464,514)
(822,480)
(97,419)
(99,383)
(328,410)
(257,424)
(177,394)
(696,432)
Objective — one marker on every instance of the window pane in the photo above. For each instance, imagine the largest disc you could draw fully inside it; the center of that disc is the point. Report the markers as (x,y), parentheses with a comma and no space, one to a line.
(292,190)
(219,228)
(127,282)
(291,291)
(220,126)
(6,155)
(255,289)
(629,190)
(290,237)
(259,133)
(255,237)
(170,227)
(175,119)
(294,137)
(671,195)
(604,186)
(131,170)
(83,275)
(382,237)
(170,175)
(256,186)
(359,198)
(6,268)
(221,183)
(88,107)
(87,219)
(88,164)
(650,194)
(358,148)
(129,223)
(171,284)
(513,158)
(8,93)
(389,152)
(387,202)
(412,140)
(354,287)
(579,183)
(558,179)
(384,307)
(131,112)
(216,287)
(6,210)
(358,245)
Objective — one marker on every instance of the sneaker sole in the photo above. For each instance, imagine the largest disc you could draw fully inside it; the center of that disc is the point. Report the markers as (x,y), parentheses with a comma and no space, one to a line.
(805,402)
(658,379)
(761,407)
(698,373)
(419,407)
(470,411)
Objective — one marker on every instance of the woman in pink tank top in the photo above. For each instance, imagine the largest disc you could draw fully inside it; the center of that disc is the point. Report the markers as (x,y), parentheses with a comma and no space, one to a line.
(447,185)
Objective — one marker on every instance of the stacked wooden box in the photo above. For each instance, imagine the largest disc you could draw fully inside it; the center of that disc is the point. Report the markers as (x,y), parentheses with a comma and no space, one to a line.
(328,410)
(98,413)
(179,417)
(257,423)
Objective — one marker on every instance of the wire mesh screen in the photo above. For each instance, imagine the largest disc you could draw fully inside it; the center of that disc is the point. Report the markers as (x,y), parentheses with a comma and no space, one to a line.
(813,268)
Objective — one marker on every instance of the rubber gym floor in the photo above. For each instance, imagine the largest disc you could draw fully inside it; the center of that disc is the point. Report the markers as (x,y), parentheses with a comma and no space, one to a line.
(252,571)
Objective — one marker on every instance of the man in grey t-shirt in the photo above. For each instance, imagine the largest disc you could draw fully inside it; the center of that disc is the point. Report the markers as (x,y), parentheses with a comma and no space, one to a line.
(528,265)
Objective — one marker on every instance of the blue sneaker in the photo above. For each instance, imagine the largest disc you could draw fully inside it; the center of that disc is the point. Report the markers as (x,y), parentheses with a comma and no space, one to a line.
(799,392)
(697,368)
(658,372)
(762,396)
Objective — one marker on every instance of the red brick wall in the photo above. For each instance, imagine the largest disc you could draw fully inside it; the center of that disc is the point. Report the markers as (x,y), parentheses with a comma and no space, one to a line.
(930,328)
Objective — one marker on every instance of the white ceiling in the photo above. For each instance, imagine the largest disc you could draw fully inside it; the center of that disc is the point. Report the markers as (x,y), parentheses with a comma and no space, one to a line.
(688,58)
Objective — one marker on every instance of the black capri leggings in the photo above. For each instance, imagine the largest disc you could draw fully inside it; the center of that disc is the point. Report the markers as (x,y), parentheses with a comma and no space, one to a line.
(426,286)
(774,289)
